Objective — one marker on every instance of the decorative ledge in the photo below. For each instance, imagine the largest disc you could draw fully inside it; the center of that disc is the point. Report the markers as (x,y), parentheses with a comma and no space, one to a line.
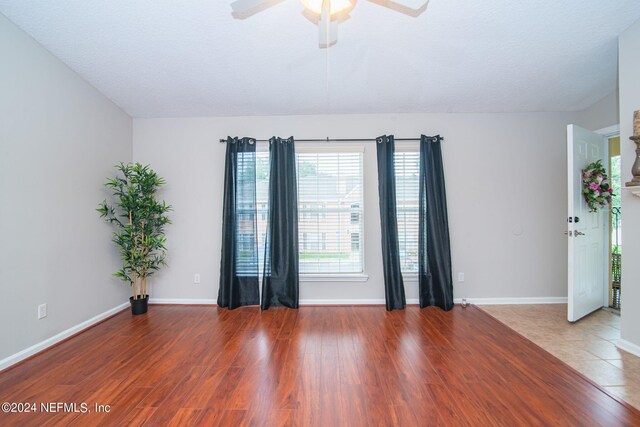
(334,277)
(633,190)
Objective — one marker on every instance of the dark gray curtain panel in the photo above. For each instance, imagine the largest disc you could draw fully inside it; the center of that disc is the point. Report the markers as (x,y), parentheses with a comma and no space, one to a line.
(434,268)
(239,262)
(393,284)
(280,277)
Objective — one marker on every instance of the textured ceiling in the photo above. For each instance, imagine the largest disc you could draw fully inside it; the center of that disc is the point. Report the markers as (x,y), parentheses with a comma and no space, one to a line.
(162,58)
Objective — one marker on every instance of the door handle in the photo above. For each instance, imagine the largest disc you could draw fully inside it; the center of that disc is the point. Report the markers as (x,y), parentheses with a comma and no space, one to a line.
(579,233)
(570,233)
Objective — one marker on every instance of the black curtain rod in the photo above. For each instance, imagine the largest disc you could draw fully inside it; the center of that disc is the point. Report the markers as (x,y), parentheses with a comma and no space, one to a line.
(345,139)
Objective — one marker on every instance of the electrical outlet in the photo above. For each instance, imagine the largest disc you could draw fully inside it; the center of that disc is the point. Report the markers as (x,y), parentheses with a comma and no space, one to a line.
(460,277)
(196,278)
(42,311)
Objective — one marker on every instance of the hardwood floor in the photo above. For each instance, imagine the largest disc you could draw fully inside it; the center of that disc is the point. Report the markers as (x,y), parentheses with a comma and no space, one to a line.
(324,366)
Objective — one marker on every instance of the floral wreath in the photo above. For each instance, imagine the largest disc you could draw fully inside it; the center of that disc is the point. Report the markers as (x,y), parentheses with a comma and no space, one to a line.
(595,186)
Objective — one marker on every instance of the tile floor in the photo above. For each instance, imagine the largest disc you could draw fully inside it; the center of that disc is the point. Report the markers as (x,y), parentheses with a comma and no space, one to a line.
(587,345)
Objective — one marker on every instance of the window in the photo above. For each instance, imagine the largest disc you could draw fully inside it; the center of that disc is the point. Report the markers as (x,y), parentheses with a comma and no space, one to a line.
(329,210)
(330,188)
(245,251)
(355,242)
(407,166)
(355,213)
(246,242)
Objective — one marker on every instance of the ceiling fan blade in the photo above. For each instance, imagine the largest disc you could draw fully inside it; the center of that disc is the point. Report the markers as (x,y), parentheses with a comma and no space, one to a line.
(245,8)
(408,7)
(328,29)
(241,6)
(411,4)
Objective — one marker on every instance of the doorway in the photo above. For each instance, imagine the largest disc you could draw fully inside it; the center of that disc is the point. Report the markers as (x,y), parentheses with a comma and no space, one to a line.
(593,231)
(615,225)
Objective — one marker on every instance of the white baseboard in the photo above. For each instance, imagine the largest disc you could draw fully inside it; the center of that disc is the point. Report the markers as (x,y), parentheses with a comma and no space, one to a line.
(192,301)
(504,301)
(42,345)
(375,301)
(477,301)
(341,301)
(629,347)
(183,301)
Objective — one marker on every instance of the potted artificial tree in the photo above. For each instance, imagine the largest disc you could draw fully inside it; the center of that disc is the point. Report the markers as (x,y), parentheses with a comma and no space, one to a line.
(139,219)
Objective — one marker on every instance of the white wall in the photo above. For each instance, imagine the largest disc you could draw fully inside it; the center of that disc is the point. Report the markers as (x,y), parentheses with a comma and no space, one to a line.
(602,114)
(59,138)
(505,177)
(629,67)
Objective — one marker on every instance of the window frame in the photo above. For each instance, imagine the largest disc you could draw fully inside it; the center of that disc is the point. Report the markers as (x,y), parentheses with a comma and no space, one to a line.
(409,147)
(341,147)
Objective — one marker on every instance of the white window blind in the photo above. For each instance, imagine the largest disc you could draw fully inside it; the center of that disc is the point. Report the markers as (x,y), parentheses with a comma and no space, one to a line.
(262,202)
(407,166)
(330,212)
(330,220)
(245,249)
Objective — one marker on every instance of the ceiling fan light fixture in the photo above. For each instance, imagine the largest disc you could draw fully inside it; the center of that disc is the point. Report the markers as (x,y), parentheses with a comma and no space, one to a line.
(337,6)
(328,13)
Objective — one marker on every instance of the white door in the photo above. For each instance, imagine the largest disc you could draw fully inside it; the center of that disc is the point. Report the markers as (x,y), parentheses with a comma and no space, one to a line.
(586,231)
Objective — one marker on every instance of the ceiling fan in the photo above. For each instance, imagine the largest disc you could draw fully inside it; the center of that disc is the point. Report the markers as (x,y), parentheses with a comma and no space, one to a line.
(327,13)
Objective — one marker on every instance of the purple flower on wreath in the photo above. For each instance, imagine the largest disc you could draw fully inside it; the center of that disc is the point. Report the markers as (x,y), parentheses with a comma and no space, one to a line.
(595,186)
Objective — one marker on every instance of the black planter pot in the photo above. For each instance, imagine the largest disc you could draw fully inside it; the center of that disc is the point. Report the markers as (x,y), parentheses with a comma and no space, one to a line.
(139,306)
